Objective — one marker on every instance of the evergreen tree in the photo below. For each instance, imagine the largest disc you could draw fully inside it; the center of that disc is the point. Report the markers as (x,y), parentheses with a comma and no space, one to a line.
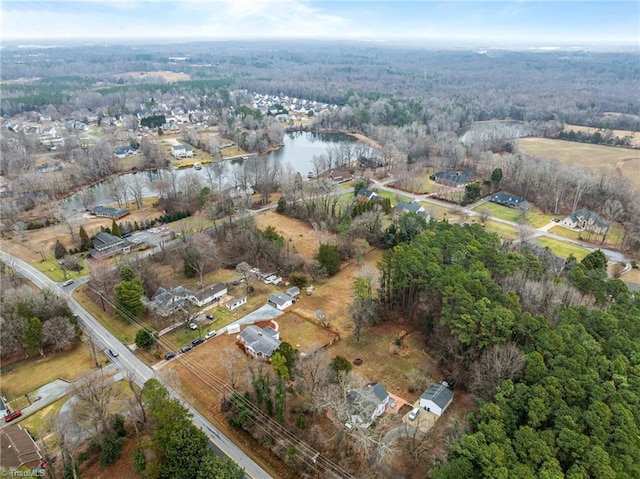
(115,229)
(85,242)
(59,251)
(329,257)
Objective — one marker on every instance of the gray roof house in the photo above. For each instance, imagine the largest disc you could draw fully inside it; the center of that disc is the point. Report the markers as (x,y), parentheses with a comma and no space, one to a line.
(166,302)
(512,201)
(436,399)
(106,212)
(365,194)
(293,291)
(367,403)
(106,245)
(454,178)
(280,301)
(211,293)
(259,343)
(586,220)
(182,151)
(411,207)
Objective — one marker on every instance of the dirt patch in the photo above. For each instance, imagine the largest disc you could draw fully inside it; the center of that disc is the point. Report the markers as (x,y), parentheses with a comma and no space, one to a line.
(149,76)
(297,233)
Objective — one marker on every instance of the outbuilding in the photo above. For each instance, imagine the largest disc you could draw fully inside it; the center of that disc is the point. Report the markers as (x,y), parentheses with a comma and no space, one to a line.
(280,301)
(436,399)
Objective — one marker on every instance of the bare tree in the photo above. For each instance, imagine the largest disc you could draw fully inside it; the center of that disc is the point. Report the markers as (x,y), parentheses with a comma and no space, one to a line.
(494,366)
(136,188)
(95,391)
(201,254)
(313,373)
(58,333)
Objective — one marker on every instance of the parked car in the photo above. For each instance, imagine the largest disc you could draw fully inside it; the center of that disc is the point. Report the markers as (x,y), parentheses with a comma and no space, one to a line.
(14,415)
(170,355)
(210,334)
(414,414)
(186,348)
(114,353)
(68,282)
(198,341)
(193,326)
(210,316)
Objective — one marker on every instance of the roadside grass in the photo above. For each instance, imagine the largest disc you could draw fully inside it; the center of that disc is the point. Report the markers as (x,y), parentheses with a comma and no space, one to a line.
(561,248)
(40,422)
(231,151)
(124,331)
(435,211)
(25,376)
(614,237)
(504,231)
(533,216)
(51,268)
(394,197)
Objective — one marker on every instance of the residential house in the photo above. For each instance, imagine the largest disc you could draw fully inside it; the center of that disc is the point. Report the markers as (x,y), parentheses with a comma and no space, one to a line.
(166,302)
(280,301)
(182,151)
(209,294)
(367,403)
(512,201)
(259,343)
(340,176)
(293,291)
(410,207)
(107,245)
(586,220)
(235,303)
(50,167)
(106,212)
(365,194)
(436,399)
(458,179)
(124,151)
(18,449)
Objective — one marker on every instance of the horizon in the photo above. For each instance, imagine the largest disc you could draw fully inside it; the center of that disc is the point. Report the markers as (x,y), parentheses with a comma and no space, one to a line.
(500,24)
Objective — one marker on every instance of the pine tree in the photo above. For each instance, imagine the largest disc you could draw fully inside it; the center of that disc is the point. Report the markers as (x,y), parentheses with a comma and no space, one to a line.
(85,242)
(59,250)
(115,229)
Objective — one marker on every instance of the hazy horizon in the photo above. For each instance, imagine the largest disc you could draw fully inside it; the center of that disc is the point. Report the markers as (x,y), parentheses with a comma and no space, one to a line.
(501,24)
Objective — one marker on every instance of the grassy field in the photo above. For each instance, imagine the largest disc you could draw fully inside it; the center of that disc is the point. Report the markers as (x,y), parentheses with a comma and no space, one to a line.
(394,197)
(635,136)
(51,268)
(562,249)
(611,159)
(435,211)
(297,233)
(25,376)
(613,238)
(40,421)
(504,231)
(533,216)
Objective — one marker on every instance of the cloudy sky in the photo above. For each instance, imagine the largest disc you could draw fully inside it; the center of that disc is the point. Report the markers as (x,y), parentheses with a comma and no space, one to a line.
(503,22)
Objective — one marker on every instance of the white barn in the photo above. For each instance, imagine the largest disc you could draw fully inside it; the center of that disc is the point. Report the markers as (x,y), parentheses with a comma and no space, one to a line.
(436,399)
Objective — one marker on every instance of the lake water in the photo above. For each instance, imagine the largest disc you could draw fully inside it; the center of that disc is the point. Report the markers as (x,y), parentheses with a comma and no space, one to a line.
(298,151)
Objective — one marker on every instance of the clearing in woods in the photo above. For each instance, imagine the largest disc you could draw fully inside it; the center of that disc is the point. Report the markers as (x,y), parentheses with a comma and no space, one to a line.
(297,233)
(612,160)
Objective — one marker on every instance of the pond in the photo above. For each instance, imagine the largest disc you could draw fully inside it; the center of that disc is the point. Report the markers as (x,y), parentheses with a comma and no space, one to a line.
(299,150)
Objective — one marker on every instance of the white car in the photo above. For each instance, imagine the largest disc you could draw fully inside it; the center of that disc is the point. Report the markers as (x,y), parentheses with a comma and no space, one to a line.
(68,282)
(210,334)
(193,326)
(414,414)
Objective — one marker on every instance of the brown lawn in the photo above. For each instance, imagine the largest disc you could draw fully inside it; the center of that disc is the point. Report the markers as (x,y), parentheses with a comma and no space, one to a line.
(297,233)
(635,136)
(148,76)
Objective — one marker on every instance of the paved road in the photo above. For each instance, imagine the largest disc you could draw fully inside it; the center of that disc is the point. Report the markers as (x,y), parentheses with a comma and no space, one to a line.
(128,362)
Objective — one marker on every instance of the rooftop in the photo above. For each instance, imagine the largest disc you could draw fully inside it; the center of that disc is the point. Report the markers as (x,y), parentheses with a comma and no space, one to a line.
(439,394)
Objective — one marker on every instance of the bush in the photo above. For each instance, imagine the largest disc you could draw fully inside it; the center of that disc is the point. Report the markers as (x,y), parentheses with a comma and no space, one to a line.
(111,449)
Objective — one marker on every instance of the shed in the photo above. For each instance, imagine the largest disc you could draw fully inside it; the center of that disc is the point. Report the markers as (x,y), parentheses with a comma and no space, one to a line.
(436,399)
(293,291)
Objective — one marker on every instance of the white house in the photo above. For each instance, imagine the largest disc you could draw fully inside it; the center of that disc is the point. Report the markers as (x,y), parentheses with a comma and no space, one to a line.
(182,151)
(235,303)
(280,301)
(259,343)
(367,403)
(209,294)
(436,399)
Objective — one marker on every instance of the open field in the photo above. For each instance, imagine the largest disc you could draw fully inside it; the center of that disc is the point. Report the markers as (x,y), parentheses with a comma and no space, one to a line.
(168,76)
(504,231)
(562,249)
(394,197)
(632,278)
(609,159)
(51,268)
(533,216)
(297,233)
(435,211)
(635,136)
(613,238)
(24,376)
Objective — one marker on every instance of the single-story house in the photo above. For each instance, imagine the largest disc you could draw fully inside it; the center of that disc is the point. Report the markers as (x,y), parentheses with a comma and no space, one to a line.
(235,303)
(18,449)
(106,212)
(106,245)
(259,343)
(410,207)
(293,291)
(512,201)
(182,151)
(365,194)
(280,301)
(124,151)
(50,167)
(166,302)
(436,399)
(340,176)
(458,179)
(367,403)
(209,294)
(586,220)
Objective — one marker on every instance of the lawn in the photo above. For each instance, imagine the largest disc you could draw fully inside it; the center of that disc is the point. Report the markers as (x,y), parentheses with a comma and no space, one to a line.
(303,334)
(504,231)
(533,216)
(561,248)
(615,235)
(51,268)
(39,422)
(611,159)
(394,197)
(298,234)
(435,211)
(25,376)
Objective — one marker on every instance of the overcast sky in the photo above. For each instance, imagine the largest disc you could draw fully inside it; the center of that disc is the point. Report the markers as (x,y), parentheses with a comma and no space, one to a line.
(502,23)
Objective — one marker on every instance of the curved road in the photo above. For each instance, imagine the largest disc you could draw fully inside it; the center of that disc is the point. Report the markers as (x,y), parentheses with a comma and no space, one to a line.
(128,362)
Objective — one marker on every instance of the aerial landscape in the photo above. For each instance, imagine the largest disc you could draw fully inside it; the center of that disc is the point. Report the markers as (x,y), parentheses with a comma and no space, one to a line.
(303,239)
